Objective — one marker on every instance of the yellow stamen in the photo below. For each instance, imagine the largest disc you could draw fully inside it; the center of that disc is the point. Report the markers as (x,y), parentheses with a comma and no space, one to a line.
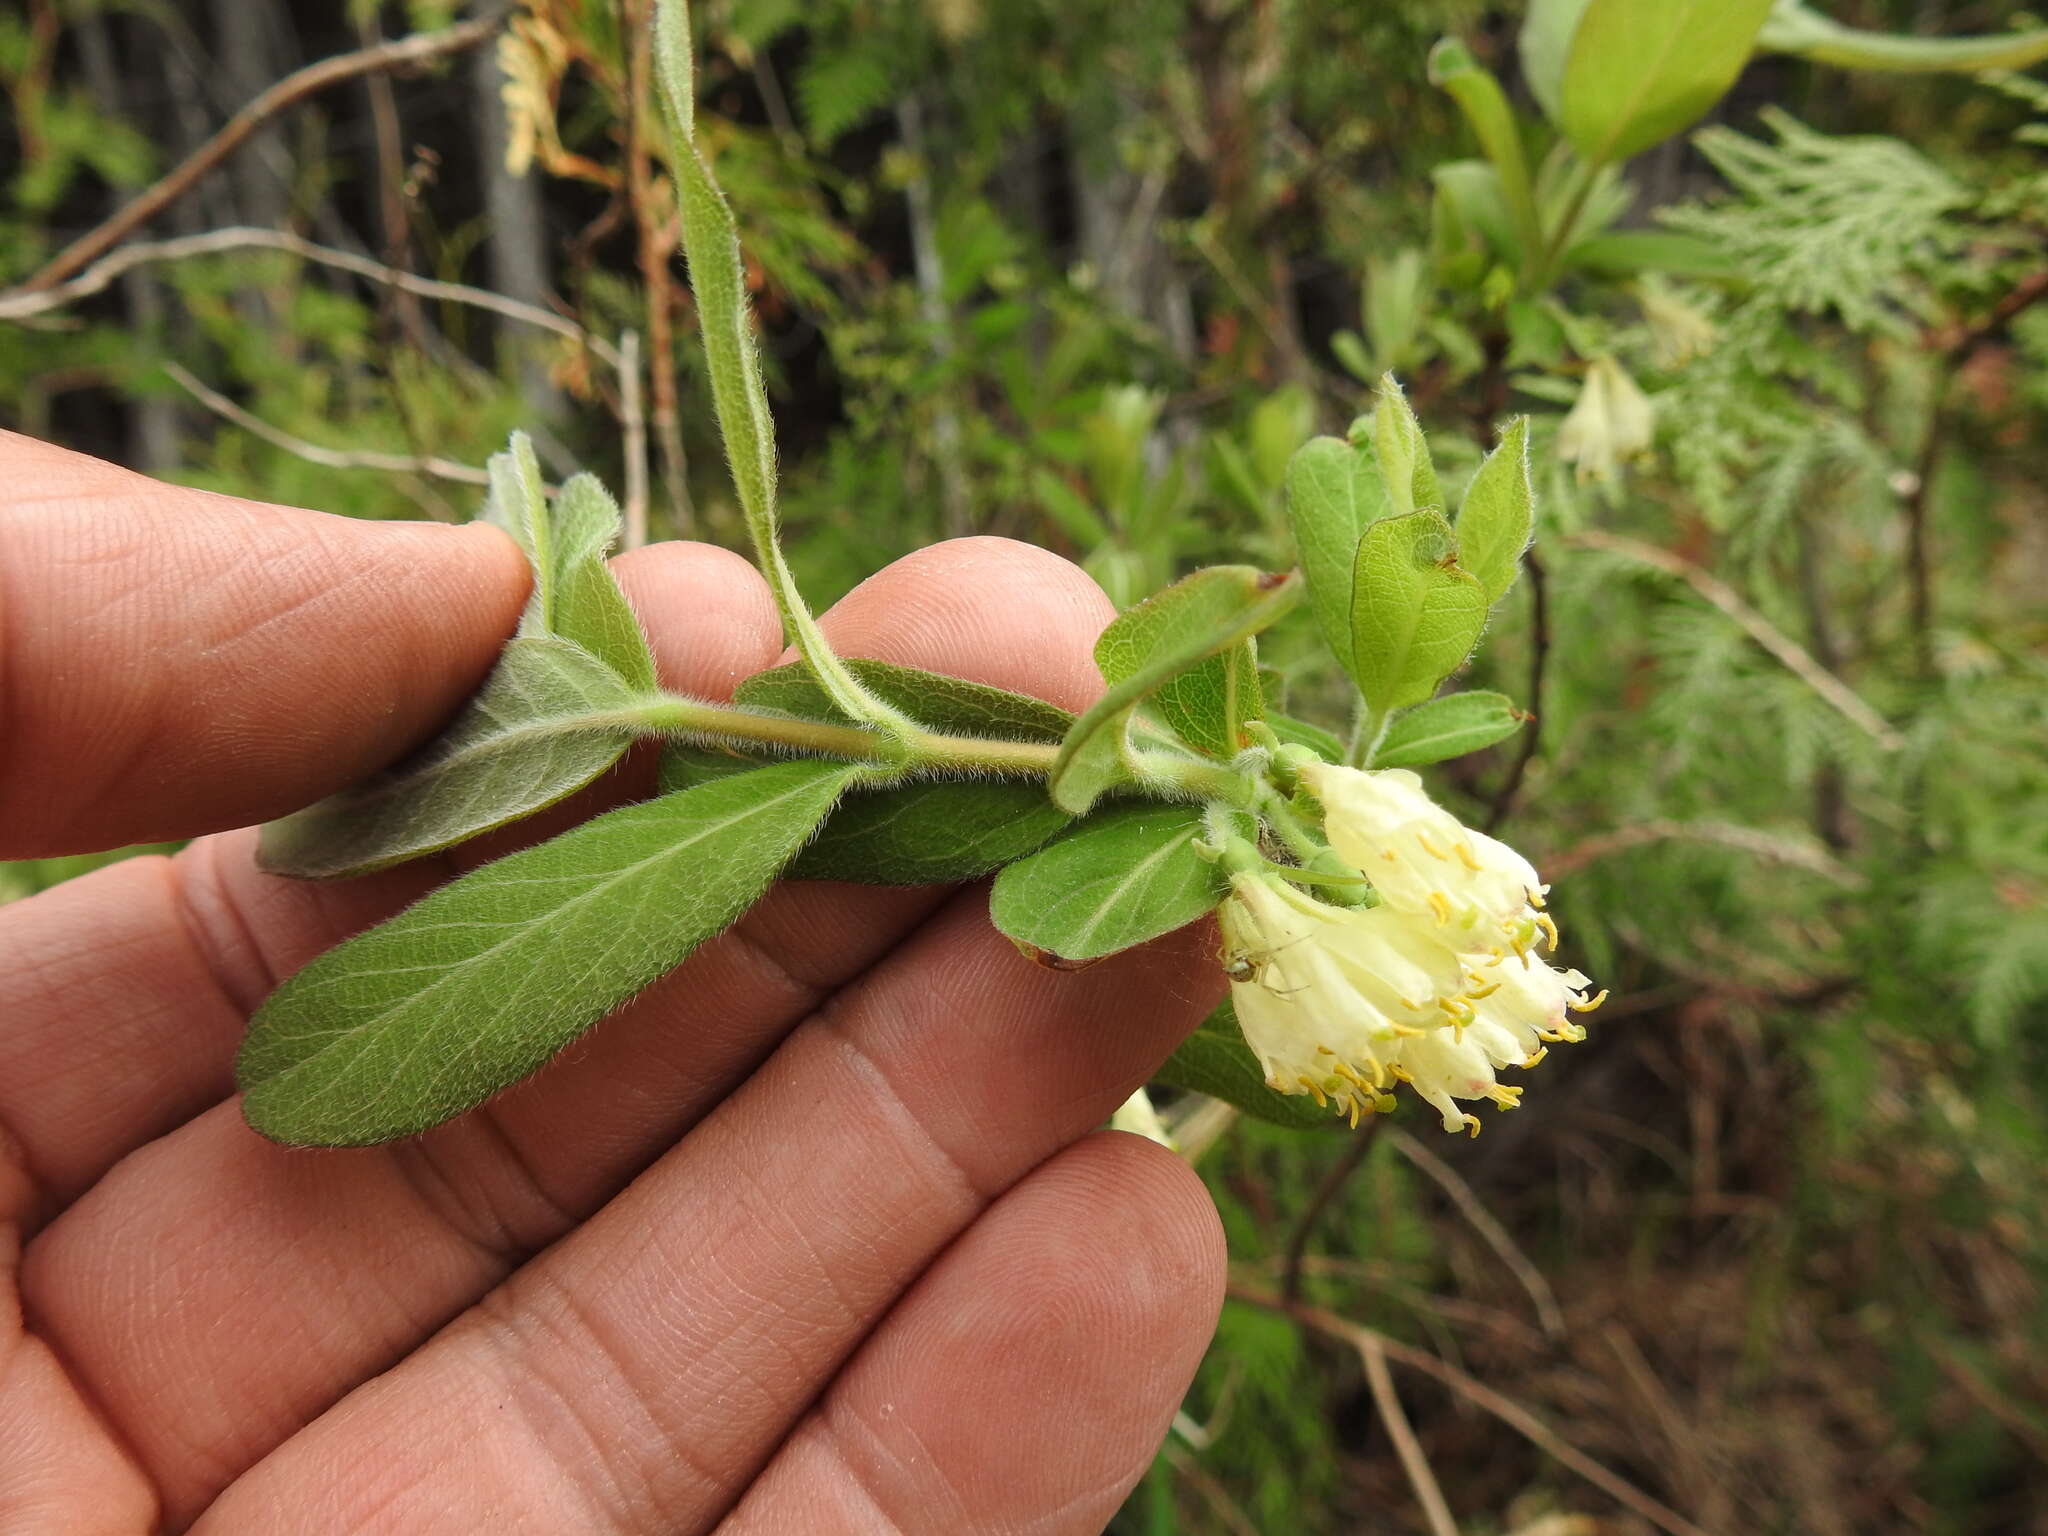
(1440,905)
(1541,1052)
(1486,990)
(1544,921)
(1309,1083)
(1588,1004)
(1464,850)
(1472,1125)
(1431,848)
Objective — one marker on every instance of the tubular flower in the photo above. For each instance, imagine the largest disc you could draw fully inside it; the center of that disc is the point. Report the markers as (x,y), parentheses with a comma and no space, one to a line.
(1424,861)
(1343,1003)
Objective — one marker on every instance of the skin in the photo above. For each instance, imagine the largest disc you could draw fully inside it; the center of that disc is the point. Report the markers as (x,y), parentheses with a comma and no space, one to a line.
(818,1235)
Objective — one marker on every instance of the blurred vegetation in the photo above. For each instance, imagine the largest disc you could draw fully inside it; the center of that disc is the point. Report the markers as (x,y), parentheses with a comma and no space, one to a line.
(1084,273)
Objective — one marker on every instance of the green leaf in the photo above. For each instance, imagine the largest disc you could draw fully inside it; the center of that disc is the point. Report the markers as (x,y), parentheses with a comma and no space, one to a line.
(1117,879)
(1333,492)
(684,765)
(1448,727)
(943,703)
(1546,42)
(1216,1061)
(478,985)
(1208,707)
(1637,74)
(1403,455)
(1416,614)
(1485,105)
(929,834)
(573,593)
(1172,632)
(535,733)
(1302,733)
(1498,514)
(589,607)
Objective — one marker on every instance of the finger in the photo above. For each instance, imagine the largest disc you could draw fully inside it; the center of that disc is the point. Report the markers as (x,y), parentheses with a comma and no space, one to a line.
(178,662)
(213,1213)
(1025,1382)
(140,978)
(638,1373)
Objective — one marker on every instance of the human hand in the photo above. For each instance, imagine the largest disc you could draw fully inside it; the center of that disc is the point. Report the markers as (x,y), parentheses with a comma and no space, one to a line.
(811,1237)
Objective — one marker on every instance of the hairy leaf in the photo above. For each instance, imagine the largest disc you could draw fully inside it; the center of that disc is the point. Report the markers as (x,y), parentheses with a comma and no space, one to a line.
(1216,1061)
(1208,707)
(943,703)
(1498,513)
(1403,454)
(928,834)
(1416,614)
(535,733)
(1118,879)
(479,984)
(1333,492)
(1306,734)
(1206,614)
(1448,727)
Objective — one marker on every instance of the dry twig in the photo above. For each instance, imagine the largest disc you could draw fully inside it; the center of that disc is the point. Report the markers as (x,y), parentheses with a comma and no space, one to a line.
(406,53)
(1506,1409)
(1469,1205)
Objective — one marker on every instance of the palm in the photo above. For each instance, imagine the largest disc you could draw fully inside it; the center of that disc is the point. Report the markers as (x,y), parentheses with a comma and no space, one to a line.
(802,1240)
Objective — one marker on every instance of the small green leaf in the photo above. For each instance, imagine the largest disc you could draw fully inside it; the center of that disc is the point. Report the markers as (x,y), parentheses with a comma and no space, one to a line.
(1172,632)
(1417,615)
(1498,513)
(1117,879)
(684,765)
(1397,442)
(942,703)
(534,734)
(1485,105)
(589,607)
(1447,727)
(1333,492)
(1216,1061)
(1302,733)
(479,984)
(1637,74)
(573,593)
(929,834)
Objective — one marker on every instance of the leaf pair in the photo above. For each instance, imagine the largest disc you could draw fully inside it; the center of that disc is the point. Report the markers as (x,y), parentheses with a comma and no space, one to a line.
(1189,652)
(548,720)
(1399,594)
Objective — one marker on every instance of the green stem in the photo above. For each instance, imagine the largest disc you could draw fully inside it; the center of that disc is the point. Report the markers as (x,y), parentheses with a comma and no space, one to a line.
(1367,734)
(673,715)
(1583,175)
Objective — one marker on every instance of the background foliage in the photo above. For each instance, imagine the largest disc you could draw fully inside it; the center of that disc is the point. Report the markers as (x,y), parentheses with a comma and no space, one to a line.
(1087,274)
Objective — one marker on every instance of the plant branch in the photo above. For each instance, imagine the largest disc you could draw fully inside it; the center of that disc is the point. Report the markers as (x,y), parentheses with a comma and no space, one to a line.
(314,453)
(406,53)
(1511,1413)
(1332,1185)
(1519,1264)
(1372,1352)
(1796,658)
(22,303)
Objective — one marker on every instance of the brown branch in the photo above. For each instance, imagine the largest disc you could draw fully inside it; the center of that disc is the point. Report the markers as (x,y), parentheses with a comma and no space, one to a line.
(1372,1353)
(1340,1173)
(1548,1314)
(1511,1413)
(1752,840)
(406,53)
(314,453)
(1796,658)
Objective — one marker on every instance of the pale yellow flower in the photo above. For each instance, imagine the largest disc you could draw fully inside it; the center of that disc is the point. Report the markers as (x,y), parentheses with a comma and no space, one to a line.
(1612,421)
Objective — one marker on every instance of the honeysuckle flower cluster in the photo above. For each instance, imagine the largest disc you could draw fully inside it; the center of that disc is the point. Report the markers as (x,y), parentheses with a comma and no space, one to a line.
(1440,985)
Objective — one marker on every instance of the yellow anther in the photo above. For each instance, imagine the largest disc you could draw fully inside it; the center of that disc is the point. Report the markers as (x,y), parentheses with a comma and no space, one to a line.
(1472,1125)
(1324,1050)
(1440,904)
(1464,851)
(1309,1083)
(1505,1097)
(1390,856)
(1549,927)
(1354,1114)
(1588,1004)
(1486,989)
(1541,1052)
